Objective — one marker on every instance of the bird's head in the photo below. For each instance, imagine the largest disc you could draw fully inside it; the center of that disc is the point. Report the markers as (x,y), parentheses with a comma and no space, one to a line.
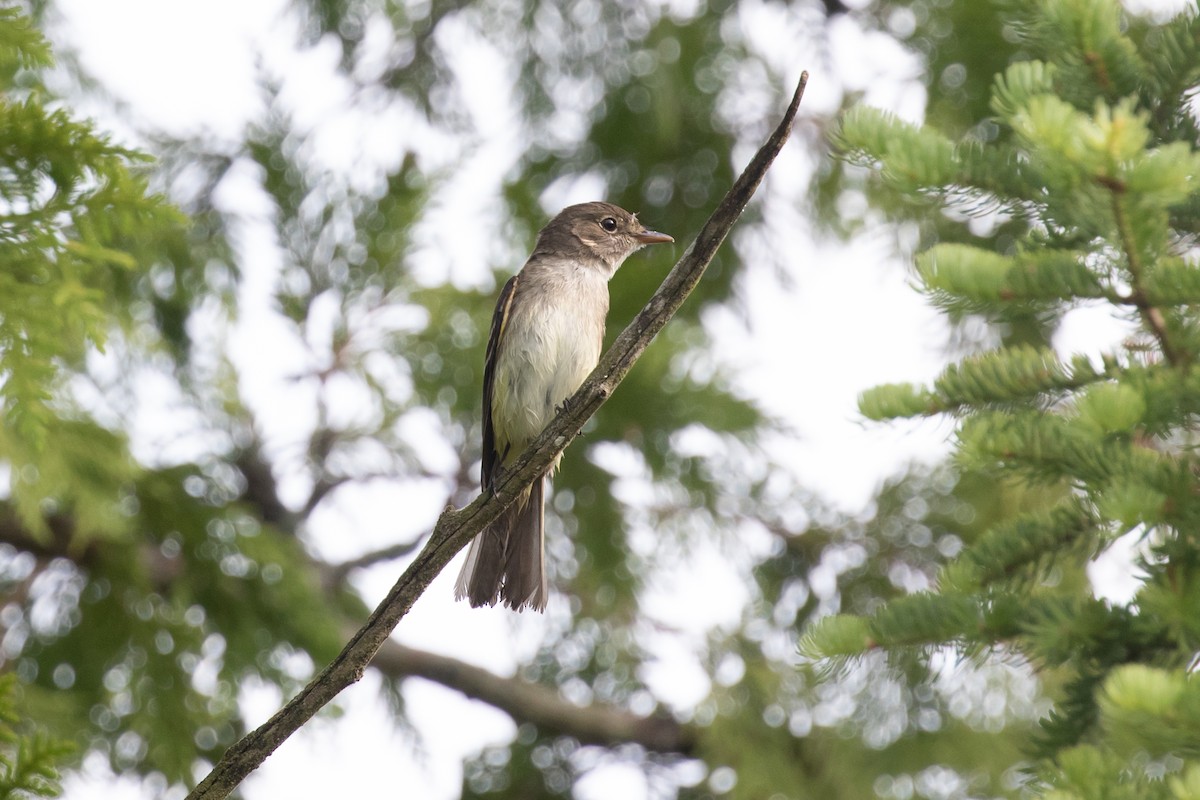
(596,232)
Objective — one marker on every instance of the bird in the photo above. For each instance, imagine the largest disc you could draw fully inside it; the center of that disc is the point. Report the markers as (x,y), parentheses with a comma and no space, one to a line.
(545,339)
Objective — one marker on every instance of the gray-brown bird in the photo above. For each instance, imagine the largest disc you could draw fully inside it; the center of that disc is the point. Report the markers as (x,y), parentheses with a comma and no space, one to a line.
(546,336)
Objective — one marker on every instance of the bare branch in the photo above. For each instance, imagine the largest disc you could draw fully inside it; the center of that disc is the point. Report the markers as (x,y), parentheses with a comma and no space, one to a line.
(455,528)
(530,702)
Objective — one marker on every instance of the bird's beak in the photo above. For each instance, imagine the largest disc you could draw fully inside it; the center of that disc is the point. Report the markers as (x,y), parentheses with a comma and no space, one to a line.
(652,237)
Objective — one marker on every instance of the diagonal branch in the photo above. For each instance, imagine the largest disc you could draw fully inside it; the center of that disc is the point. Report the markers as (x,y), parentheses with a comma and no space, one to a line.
(455,528)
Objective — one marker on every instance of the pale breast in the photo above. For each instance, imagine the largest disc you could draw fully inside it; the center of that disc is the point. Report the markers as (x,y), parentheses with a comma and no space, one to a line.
(551,344)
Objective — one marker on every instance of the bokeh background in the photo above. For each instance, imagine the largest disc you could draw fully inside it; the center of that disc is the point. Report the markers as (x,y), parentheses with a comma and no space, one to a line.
(290,395)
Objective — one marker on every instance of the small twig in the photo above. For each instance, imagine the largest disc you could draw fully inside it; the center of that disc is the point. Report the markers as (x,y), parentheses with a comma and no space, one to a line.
(321,489)
(339,571)
(455,528)
(1151,315)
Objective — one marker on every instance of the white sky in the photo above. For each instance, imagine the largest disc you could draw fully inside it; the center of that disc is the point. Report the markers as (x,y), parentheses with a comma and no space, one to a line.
(185,65)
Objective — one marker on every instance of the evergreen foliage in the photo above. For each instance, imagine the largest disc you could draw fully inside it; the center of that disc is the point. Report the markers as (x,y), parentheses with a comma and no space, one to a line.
(1093,158)
(103,627)
(30,761)
(71,212)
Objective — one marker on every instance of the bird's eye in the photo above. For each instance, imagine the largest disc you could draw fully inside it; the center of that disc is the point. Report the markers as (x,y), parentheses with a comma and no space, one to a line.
(609,224)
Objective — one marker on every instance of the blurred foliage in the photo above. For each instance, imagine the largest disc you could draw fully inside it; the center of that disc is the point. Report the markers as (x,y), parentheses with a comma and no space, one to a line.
(150,579)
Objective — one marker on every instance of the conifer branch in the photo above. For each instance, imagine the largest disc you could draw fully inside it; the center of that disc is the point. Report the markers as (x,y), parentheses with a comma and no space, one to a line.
(1100,451)
(1151,315)
(456,527)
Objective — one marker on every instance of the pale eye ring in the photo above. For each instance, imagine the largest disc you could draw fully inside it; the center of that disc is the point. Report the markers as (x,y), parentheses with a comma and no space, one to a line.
(609,224)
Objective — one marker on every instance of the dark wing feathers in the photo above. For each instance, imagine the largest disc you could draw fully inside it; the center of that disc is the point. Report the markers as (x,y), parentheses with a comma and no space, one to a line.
(492,459)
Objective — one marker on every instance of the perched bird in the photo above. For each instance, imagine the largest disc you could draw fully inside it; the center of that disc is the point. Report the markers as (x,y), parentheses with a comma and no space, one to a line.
(545,340)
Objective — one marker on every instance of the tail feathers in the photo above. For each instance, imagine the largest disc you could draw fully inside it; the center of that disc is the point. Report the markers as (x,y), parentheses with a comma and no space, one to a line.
(479,580)
(524,583)
(506,562)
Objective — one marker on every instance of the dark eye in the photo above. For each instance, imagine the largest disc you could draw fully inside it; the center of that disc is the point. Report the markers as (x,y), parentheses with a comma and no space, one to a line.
(609,224)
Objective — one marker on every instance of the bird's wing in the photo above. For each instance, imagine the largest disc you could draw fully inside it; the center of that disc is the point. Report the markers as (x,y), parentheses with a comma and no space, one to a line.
(491,458)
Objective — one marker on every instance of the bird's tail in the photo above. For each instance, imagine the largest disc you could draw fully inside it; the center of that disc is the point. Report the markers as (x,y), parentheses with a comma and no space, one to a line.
(506,562)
